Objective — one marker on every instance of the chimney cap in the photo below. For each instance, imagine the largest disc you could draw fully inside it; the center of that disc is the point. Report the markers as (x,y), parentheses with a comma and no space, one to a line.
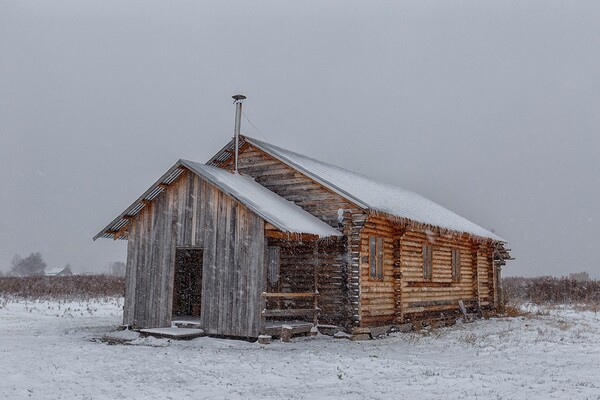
(238,97)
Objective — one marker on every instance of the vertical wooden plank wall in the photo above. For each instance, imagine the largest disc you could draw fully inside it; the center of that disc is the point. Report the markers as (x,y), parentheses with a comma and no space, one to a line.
(193,212)
(150,257)
(233,268)
(130,275)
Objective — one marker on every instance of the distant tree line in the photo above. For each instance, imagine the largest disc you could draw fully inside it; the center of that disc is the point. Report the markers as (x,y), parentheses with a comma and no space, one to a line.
(551,290)
(32,265)
(75,286)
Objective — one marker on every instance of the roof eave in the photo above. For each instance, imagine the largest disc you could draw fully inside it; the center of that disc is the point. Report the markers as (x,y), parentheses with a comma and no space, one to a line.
(123,219)
(239,197)
(494,238)
(167,178)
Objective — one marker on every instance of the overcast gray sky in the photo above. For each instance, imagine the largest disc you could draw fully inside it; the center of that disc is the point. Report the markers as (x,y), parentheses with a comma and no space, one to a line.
(490,108)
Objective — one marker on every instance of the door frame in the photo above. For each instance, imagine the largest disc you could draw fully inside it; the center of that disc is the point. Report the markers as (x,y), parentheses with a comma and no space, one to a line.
(175,267)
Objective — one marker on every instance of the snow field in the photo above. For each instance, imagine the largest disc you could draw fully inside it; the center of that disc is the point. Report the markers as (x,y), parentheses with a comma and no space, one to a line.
(53,350)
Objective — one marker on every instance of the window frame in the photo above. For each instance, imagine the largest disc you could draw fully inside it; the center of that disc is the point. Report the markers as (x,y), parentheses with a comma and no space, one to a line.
(456,270)
(376,257)
(273,265)
(427,251)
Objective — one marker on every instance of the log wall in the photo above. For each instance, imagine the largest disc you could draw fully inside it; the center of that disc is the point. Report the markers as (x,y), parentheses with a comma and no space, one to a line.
(292,185)
(441,293)
(297,275)
(485,276)
(422,298)
(403,294)
(378,296)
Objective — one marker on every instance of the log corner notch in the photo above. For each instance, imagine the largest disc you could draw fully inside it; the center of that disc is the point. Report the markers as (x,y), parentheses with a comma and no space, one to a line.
(499,257)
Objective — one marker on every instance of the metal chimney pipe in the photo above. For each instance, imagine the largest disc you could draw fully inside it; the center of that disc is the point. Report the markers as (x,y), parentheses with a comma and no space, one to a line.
(238,98)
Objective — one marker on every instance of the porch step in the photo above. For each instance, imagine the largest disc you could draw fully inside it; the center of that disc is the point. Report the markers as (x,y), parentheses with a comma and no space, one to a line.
(186,324)
(276,329)
(329,330)
(173,333)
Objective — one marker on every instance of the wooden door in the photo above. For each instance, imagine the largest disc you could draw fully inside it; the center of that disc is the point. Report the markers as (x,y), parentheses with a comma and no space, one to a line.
(187,285)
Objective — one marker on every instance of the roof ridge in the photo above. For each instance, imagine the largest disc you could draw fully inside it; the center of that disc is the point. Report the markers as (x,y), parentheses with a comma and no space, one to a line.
(313,159)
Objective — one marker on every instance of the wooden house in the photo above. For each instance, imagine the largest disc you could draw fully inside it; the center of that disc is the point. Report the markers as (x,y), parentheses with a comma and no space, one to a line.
(288,237)
(60,271)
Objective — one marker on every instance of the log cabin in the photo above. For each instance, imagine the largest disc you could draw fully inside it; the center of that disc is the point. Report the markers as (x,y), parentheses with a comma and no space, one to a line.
(260,235)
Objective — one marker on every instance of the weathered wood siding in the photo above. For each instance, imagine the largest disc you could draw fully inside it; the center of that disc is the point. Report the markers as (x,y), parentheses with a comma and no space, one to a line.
(234,271)
(130,275)
(193,212)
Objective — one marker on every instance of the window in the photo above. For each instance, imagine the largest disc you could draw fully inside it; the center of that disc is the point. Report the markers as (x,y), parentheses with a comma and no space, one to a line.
(455,264)
(427,262)
(273,261)
(376,257)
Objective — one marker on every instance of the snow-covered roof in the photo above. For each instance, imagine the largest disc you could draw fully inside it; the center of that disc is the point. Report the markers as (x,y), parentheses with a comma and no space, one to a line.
(373,194)
(285,215)
(54,271)
(58,271)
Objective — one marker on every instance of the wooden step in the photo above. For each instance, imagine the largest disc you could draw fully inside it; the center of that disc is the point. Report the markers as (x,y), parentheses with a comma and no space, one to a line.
(173,333)
(186,324)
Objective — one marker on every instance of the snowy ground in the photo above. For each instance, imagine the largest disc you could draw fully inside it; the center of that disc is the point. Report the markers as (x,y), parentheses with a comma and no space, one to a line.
(49,350)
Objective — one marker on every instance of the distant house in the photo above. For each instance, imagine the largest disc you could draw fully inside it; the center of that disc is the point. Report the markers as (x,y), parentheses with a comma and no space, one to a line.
(291,237)
(61,271)
(580,276)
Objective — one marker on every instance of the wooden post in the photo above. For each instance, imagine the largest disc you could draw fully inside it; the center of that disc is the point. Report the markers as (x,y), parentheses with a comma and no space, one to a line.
(286,333)
(397,243)
(499,289)
(263,300)
(475,275)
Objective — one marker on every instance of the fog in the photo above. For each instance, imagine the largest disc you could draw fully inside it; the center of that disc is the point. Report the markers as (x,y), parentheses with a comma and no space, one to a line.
(490,108)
